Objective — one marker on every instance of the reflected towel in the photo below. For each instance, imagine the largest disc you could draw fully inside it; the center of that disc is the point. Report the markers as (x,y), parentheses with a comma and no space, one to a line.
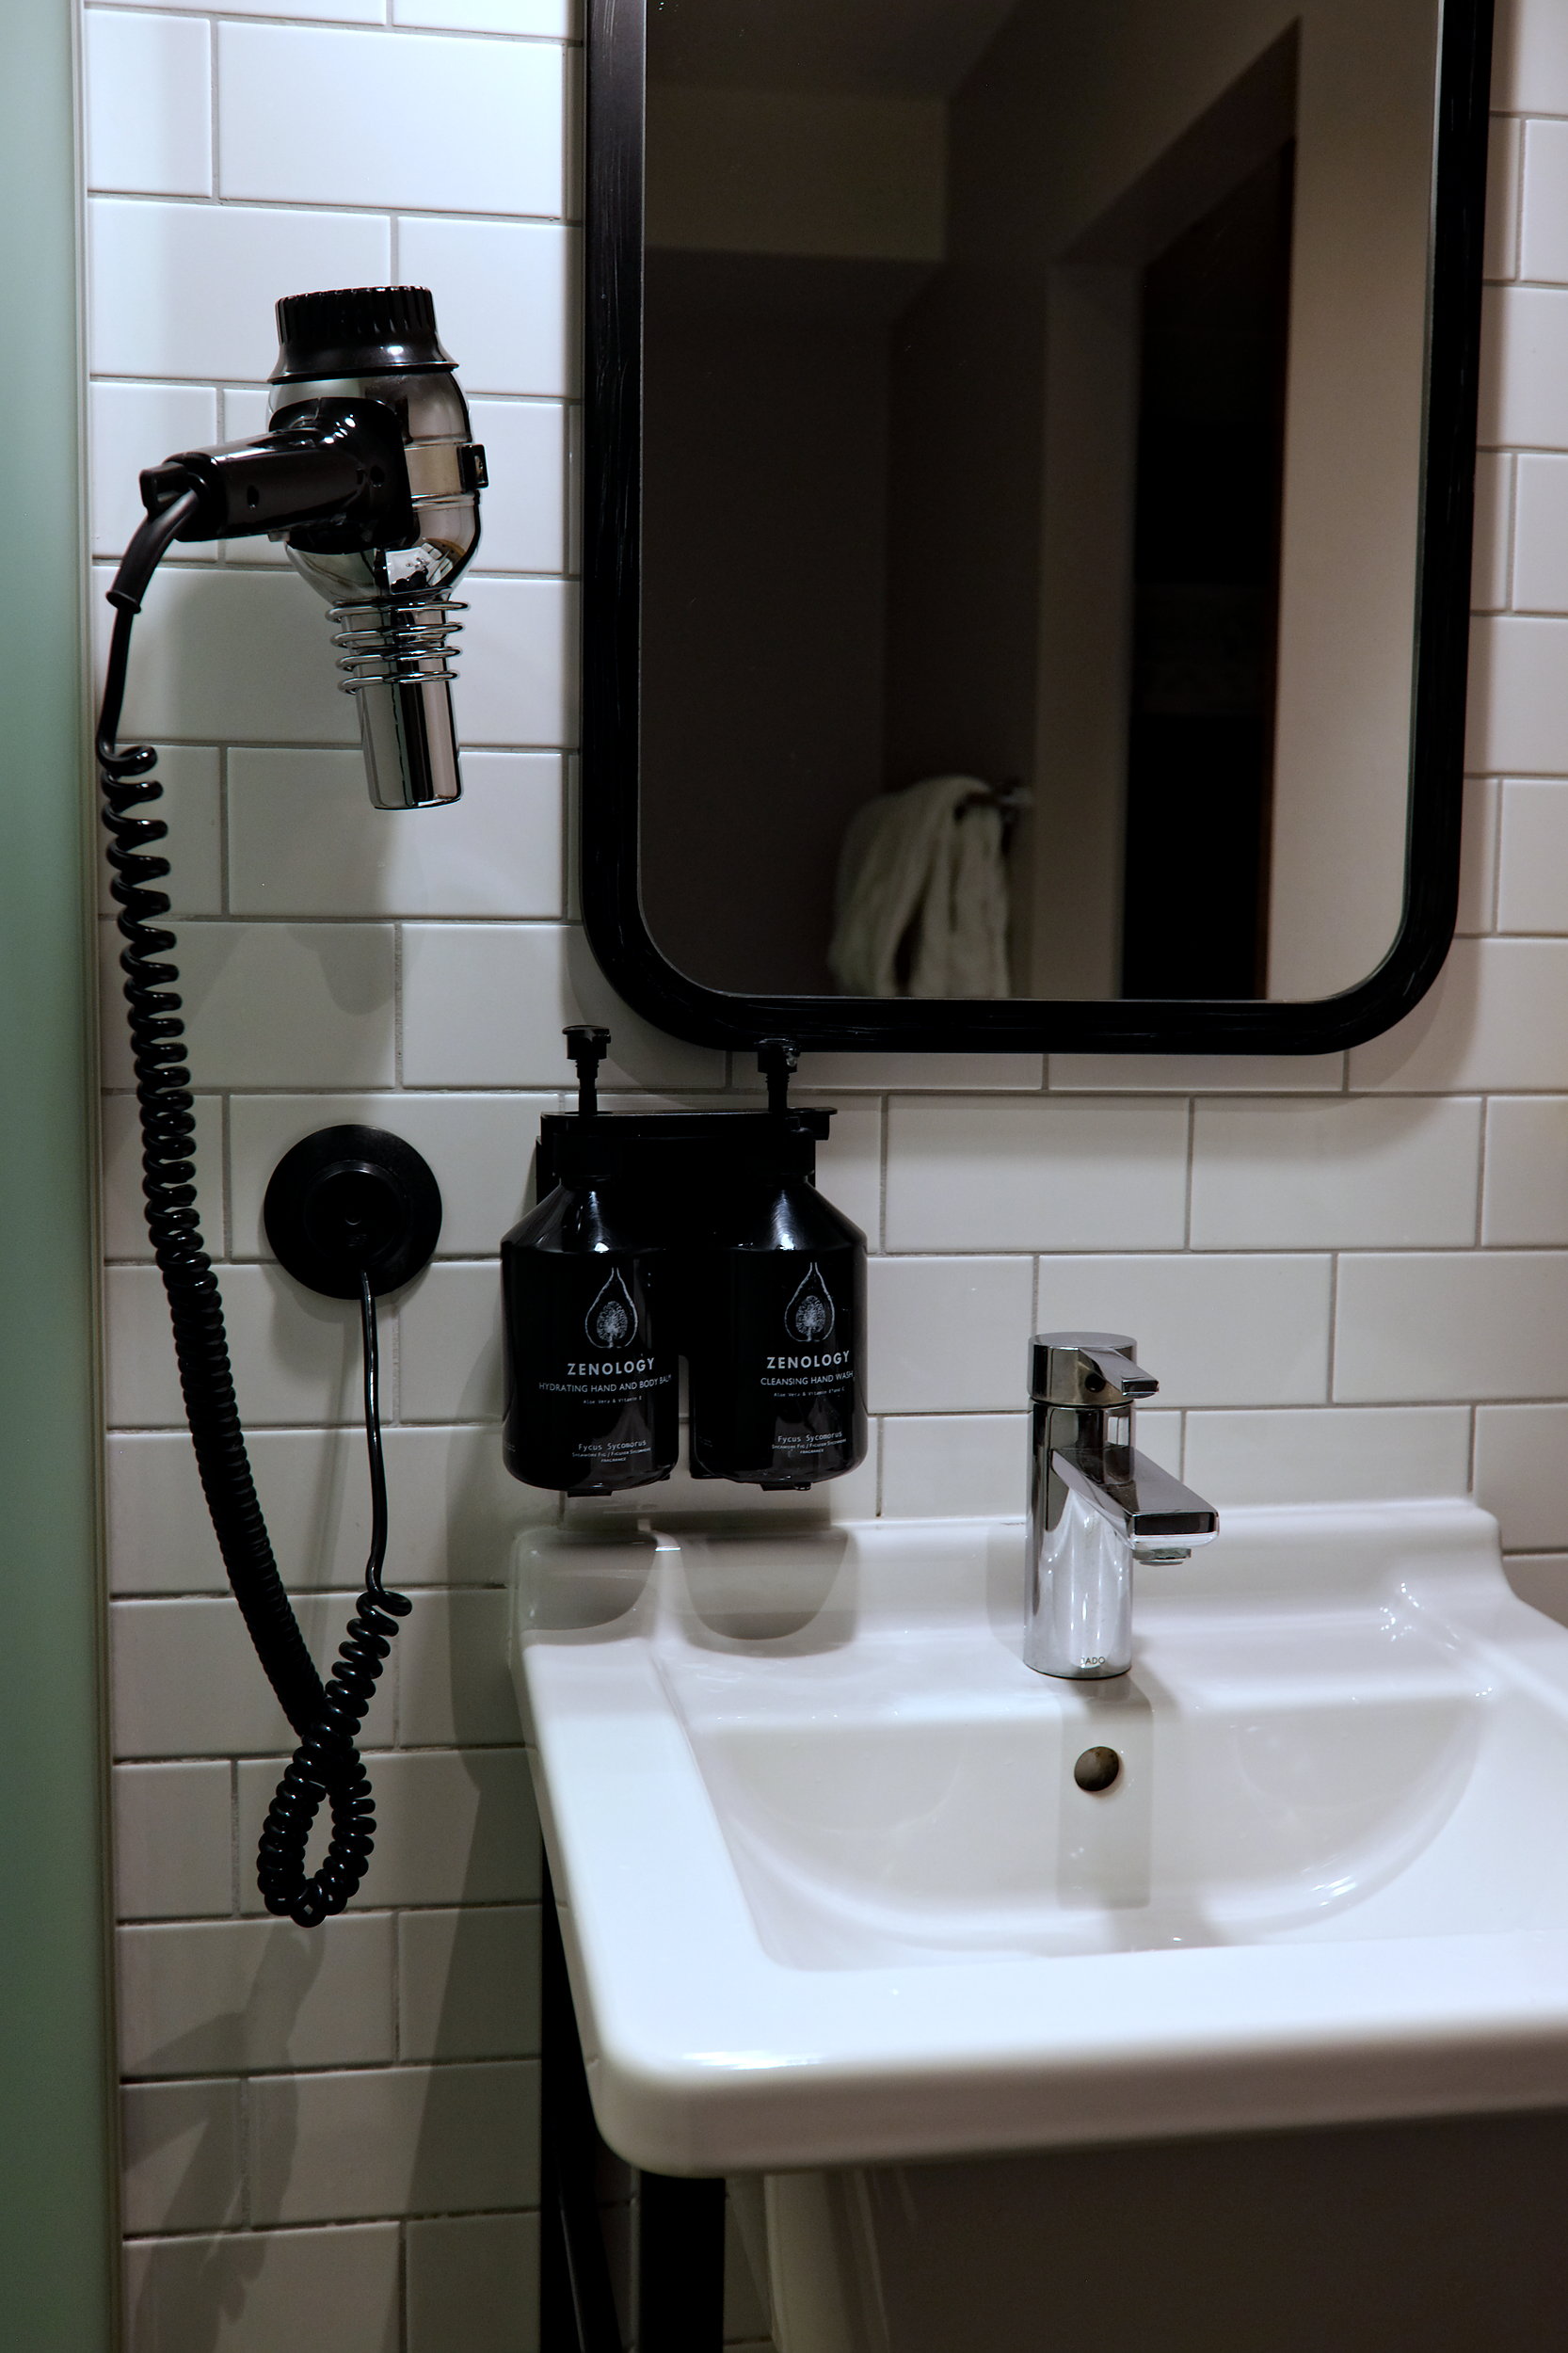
(921,907)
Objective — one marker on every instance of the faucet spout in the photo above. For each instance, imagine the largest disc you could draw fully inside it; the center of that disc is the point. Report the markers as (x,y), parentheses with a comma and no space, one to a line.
(1095,1506)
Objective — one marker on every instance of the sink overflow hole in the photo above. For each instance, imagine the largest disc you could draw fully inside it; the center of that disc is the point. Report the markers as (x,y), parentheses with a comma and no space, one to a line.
(1097,1768)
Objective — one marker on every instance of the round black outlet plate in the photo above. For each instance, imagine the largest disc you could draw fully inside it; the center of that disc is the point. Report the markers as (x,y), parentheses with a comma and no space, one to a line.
(350,1200)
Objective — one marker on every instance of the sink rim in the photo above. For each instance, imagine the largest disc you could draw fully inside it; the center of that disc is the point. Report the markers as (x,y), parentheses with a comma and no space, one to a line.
(962,2056)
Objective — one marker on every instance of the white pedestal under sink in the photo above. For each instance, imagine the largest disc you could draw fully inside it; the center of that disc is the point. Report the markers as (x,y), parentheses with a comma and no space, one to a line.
(833,1900)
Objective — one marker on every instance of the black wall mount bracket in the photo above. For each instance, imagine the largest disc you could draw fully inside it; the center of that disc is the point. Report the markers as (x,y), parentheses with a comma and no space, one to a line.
(351,1200)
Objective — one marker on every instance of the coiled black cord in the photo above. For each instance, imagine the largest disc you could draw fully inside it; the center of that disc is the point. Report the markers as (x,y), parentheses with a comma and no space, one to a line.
(326,1765)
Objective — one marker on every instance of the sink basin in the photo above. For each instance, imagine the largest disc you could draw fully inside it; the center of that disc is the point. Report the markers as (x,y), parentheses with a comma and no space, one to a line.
(832,1894)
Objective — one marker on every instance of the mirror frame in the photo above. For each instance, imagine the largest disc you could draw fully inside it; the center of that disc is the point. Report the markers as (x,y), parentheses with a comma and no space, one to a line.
(610,814)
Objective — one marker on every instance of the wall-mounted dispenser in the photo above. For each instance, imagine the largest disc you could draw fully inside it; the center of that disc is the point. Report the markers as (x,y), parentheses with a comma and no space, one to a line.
(592,1396)
(695,1234)
(368,477)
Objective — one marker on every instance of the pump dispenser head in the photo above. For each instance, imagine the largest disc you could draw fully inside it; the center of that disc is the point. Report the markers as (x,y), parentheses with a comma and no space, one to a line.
(587,1048)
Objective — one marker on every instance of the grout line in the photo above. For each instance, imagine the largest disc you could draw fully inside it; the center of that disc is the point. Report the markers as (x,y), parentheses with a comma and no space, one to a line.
(334,208)
(1190,1169)
(235,1901)
(1481,1173)
(214,158)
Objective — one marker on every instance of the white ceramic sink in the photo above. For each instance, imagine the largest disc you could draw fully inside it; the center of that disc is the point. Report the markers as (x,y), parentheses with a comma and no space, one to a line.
(832,1895)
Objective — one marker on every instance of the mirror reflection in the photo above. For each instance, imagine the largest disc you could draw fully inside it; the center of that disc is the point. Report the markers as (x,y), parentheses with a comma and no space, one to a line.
(1032,410)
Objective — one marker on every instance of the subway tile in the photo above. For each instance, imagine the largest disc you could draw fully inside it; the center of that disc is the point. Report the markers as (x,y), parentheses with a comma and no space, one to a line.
(304,839)
(473,2280)
(339,11)
(229,657)
(1161,1437)
(270,2288)
(182,2165)
(295,1355)
(147,260)
(394,2141)
(468,1983)
(1540,575)
(1495,1019)
(1365,1454)
(947,1334)
(883,1074)
(1517,723)
(146,82)
(484,1004)
(133,426)
(1520,1452)
(454,1680)
(1530,58)
(1532,874)
(455,1511)
(159,1538)
(544,20)
(480,1147)
(1523,342)
(1491,576)
(1540,1579)
(312,117)
(1358,1173)
(523,511)
(1478,857)
(1504,159)
(174,1841)
(452,1827)
(504,299)
(279,1005)
(1019,1174)
(124,1225)
(849,1164)
(1213,1330)
(448,1344)
(191,805)
(1543,240)
(221,1995)
(1198,1074)
(1463,1326)
(957,1467)
(1526,1197)
(186,1682)
(518,666)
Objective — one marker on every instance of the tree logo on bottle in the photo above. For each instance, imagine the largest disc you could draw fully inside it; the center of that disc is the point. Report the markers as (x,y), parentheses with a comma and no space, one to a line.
(612,1321)
(809,1315)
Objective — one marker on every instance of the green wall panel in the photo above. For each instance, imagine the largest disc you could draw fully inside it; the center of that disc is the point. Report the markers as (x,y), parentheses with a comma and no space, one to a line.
(56,2210)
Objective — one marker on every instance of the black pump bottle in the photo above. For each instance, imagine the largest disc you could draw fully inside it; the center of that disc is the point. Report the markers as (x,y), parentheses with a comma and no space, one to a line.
(592,1394)
(779,1315)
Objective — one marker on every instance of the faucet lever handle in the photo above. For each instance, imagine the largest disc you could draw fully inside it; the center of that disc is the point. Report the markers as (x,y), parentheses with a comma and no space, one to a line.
(1097,1369)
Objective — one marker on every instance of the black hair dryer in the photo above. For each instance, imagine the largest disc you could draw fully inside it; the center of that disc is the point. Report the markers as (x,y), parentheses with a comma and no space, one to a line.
(368,475)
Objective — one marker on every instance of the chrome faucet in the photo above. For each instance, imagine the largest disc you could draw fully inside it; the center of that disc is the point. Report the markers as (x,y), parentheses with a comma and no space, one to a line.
(1095,1505)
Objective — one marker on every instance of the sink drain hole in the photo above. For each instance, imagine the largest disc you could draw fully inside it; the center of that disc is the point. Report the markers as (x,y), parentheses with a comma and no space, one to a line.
(1097,1769)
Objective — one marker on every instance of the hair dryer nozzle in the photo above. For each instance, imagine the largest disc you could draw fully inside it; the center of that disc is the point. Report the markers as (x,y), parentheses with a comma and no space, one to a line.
(397,661)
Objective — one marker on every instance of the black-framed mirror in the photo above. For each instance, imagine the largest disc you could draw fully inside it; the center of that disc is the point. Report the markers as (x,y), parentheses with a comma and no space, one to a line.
(1028,461)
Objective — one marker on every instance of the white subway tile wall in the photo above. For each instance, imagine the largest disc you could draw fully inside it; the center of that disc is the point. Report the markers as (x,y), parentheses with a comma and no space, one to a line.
(1350,1274)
